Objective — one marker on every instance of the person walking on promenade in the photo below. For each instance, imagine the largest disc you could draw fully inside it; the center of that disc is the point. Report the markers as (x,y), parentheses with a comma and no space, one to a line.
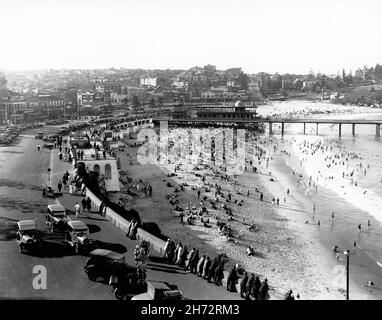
(243,285)
(256,288)
(263,291)
(59,186)
(211,272)
(77,209)
(199,267)
(171,252)
(198,193)
(166,248)
(183,257)
(88,204)
(178,246)
(232,280)
(193,261)
(137,254)
(189,256)
(83,202)
(179,254)
(206,267)
(248,288)
(133,230)
(219,275)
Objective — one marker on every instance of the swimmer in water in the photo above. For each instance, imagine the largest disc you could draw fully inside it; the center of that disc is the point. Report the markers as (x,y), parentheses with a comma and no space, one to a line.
(333,215)
(368,223)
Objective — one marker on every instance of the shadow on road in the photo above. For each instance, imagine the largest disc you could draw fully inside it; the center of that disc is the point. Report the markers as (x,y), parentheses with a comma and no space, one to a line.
(93,228)
(21,205)
(116,247)
(8,229)
(18,184)
(165,269)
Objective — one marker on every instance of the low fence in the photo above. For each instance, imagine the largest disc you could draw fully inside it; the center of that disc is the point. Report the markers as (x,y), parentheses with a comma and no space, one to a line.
(123,224)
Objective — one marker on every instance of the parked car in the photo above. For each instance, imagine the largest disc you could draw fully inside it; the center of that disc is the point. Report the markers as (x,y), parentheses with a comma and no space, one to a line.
(160,291)
(56,217)
(39,135)
(127,285)
(48,146)
(76,235)
(49,138)
(26,235)
(109,265)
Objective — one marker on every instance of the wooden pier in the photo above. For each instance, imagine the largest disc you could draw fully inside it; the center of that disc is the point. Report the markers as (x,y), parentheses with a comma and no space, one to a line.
(244,122)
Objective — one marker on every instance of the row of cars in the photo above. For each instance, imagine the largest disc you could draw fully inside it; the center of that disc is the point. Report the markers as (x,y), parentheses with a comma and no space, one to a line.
(56,219)
(126,281)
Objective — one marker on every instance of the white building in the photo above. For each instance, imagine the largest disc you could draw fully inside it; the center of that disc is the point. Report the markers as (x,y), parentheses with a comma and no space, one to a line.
(152,82)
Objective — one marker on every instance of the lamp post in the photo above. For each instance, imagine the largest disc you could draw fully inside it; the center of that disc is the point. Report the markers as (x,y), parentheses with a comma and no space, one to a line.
(347,254)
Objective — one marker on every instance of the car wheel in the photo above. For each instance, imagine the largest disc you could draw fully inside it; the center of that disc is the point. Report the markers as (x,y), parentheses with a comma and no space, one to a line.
(119,294)
(92,274)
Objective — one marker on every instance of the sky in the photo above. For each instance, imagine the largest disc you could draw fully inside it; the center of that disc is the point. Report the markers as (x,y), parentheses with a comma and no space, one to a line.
(285,36)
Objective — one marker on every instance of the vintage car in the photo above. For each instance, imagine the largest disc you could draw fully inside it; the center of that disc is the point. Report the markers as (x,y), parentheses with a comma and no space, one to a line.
(26,235)
(76,235)
(128,284)
(50,138)
(48,146)
(39,135)
(160,291)
(48,192)
(109,265)
(56,217)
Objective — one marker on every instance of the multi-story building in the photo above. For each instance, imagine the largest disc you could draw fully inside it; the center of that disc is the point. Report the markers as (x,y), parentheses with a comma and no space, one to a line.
(150,82)
(11,103)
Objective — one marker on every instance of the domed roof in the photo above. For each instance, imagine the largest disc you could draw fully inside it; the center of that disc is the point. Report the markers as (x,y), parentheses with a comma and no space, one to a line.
(239,103)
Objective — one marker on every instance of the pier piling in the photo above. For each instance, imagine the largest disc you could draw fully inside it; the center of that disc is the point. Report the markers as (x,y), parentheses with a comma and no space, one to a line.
(339,130)
(282,128)
(270,128)
(353,129)
(317,128)
(304,127)
(377,130)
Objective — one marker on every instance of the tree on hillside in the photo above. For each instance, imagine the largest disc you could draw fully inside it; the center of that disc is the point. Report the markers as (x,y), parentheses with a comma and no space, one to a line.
(343,75)
(350,77)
